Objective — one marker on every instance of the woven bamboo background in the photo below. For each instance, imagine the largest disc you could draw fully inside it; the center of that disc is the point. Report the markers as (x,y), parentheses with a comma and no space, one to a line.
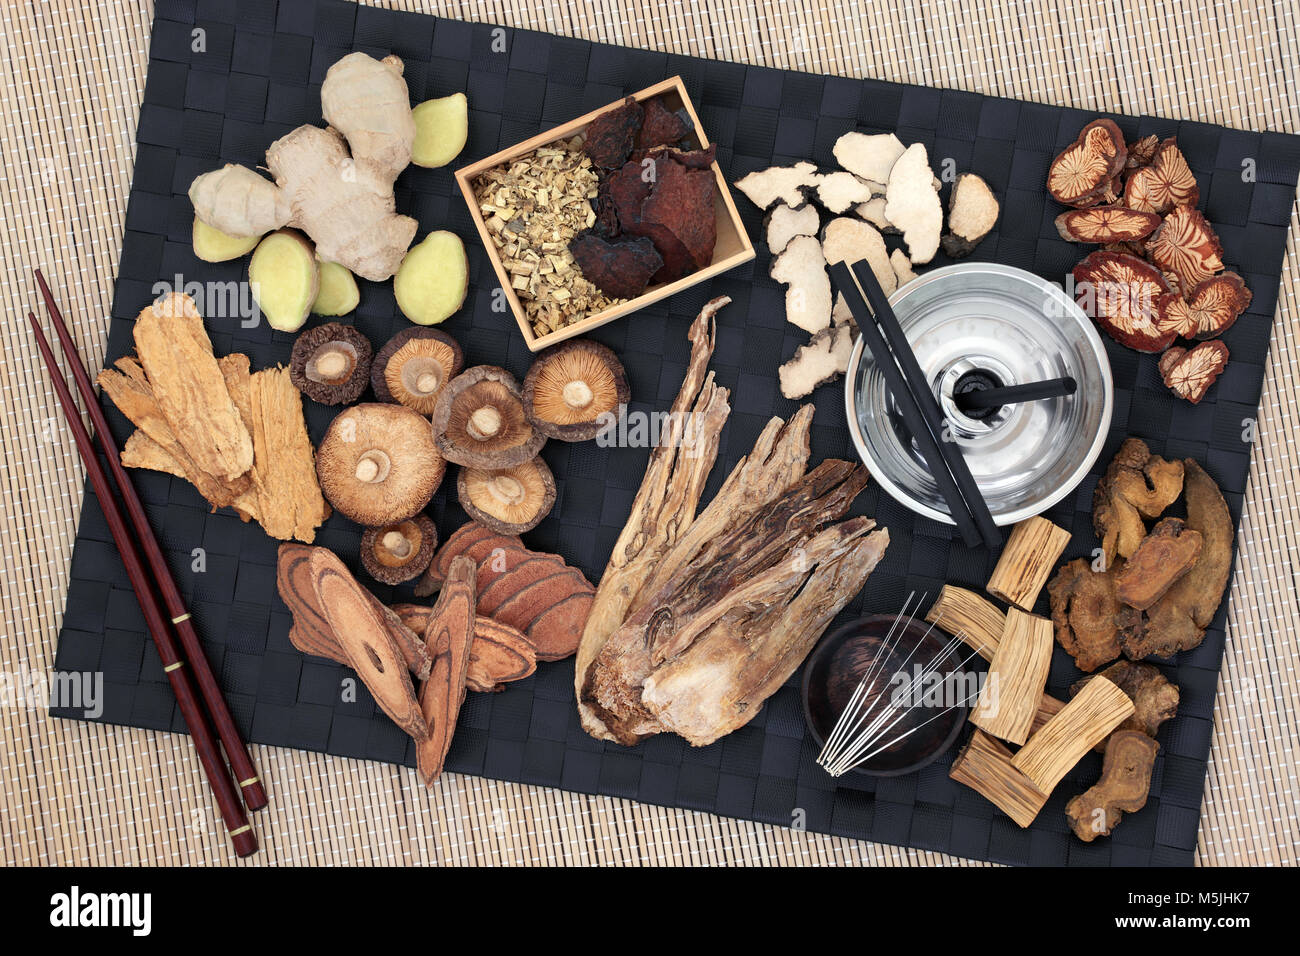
(74,792)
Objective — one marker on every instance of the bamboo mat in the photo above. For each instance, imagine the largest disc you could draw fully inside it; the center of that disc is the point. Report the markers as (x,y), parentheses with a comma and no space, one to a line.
(80,793)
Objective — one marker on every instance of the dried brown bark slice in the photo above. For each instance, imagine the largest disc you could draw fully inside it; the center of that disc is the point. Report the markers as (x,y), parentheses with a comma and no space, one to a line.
(1165,182)
(1155,699)
(1080,175)
(1186,245)
(1105,224)
(448,635)
(1189,374)
(557,632)
(529,603)
(506,585)
(1210,309)
(1124,295)
(1136,485)
(1165,555)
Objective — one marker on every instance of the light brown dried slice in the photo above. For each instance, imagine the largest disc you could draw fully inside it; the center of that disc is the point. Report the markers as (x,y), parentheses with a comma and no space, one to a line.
(499,654)
(1210,310)
(478,541)
(785,183)
(448,635)
(973,211)
(1124,295)
(1189,374)
(523,575)
(1080,175)
(1105,224)
(1136,485)
(1123,787)
(1164,555)
(1084,614)
(1165,182)
(293,577)
(912,204)
(557,632)
(289,499)
(507,560)
(1186,245)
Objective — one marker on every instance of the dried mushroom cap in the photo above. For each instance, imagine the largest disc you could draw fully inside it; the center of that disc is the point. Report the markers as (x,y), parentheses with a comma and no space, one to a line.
(571,386)
(400,551)
(479,420)
(1210,310)
(1185,245)
(1167,181)
(378,464)
(330,364)
(1083,172)
(1106,224)
(1189,374)
(508,500)
(1125,295)
(414,365)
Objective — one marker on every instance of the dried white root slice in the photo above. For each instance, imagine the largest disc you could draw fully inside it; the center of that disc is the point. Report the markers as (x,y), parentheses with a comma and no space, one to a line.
(432,280)
(802,268)
(972,213)
(902,267)
(912,204)
(841,316)
(285,276)
(822,360)
(239,202)
(784,183)
(870,156)
(338,293)
(784,222)
(839,191)
(873,211)
(213,245)
(852,240)
(441,128)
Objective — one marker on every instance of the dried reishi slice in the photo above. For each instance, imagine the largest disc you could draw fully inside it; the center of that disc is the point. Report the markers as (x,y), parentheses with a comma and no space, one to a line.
(1189,374)
(622,268)
(1167,181)
(1186,245)
(1124,295)
(1210,310)
(1082,173)
(611,135)
(1106,224)
(661,126)
(678,216)
(1141,153)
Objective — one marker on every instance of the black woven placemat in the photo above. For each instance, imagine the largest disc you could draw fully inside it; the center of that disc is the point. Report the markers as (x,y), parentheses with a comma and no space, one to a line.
(226,80)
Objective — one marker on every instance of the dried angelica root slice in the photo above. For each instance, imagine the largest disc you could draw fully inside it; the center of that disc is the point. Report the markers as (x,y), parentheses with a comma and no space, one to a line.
(784,222)
(1164,183)
(802,269)
(912,204)
(972,213)
(868,156)
(1106,224)
(784,183)
(1084,170)
(1190,373)
(1210,310)
(838,191)
(1124,295)
(1186,245)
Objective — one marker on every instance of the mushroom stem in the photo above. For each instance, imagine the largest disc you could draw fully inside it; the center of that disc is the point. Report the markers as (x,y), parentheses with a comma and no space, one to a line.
(577,394)
(331,365)
(427,383)
(372,466)
(507,488)
(484,423)
(396,543)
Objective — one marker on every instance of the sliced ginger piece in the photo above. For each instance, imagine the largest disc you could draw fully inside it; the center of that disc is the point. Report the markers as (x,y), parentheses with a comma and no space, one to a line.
(338,293)
(213,245)
(441,128)
(431,283)
(285,276)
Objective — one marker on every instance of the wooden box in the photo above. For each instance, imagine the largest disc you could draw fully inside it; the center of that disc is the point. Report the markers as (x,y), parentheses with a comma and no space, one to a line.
(733,246)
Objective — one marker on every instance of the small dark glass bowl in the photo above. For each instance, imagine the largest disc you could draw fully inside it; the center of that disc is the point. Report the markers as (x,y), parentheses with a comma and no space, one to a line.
(836,666)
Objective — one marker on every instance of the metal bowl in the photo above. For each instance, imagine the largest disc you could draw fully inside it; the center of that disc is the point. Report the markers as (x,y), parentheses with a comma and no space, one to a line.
(1011,327)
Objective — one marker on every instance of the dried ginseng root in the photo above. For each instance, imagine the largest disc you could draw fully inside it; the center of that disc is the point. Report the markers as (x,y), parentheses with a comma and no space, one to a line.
(1189,374)
(1124,294)
(1210,309)
(1082,174)
(1185,245)
(1165,182)
(448,635)
(1123,787)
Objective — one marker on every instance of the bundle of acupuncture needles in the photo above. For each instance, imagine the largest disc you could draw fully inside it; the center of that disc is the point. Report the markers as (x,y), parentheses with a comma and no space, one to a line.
(865,728)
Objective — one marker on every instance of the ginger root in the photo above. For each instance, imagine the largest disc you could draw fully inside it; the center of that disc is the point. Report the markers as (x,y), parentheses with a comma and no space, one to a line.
(441,129)
(285,276)
(338,293)
(213,245)
(433,279)
(342,198)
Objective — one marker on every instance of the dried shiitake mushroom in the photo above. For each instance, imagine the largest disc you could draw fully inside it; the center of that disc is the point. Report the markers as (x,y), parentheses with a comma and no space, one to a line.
(479,420)
(330,363)
(414,365)
(401,551)
(572,390)
(1083,173)
(508,500)
(378,464)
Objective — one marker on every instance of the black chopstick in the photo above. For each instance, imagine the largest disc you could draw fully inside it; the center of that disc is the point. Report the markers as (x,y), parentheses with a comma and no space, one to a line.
(1012,394)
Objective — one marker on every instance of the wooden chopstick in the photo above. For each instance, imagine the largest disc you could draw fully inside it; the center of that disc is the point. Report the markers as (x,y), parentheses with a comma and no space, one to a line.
(223,788)
(250,782)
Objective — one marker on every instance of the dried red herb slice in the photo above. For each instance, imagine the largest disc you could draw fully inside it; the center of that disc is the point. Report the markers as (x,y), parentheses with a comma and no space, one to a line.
(1084,171)
(1142,152)
(621,269)
(1186,245)
(1124,295)
(611,135)
(661,126)
(1104,224)
(1164,183)
(1189,373)
(628,188)
(1211,308)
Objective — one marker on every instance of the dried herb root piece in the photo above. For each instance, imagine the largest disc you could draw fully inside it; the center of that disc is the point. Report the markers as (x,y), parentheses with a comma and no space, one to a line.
(1106,224)
(330,363)
(1210,309)
(1155,699)
(1083,172)
(498,656)
(1164,182)
(912,204)
(1085,610)
(1142,152)
(1123,787)
(869,156)
(787,184)
(1165,555)
(1124,295)
(1136,485)
(802,269)
(621,268)
(824,359)
(839,191)
(1185,245)
(1189,374)
(678,216)
(448,635)
(972,213)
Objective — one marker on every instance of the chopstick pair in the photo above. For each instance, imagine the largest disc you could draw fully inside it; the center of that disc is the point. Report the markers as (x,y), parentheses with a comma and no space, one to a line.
(920,409)
(183,678)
